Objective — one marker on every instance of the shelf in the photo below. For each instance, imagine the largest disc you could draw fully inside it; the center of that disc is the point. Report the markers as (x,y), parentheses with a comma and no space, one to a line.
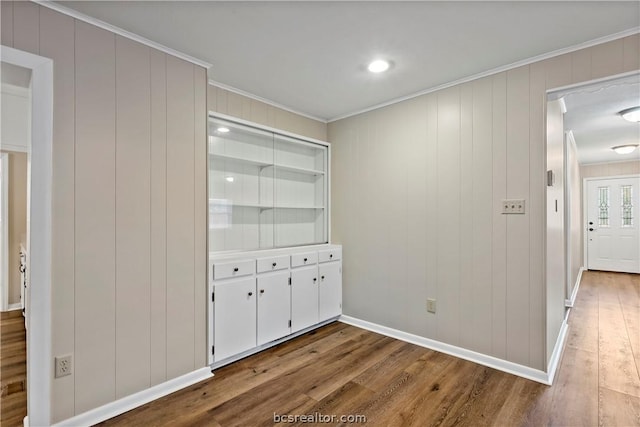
(242,205)
(240,160)
(263,206)
(297,207)
(298,170)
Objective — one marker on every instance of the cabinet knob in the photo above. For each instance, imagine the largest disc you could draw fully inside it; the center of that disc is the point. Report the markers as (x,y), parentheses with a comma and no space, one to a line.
(330,255)
(315,279)
(590,222)
(262,291)
(321,277)
(590,229)
(305,260)
(235,270)
(273,265)
(250,293)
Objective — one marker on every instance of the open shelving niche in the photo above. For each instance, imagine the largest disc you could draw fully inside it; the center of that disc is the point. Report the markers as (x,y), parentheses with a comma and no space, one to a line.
(267,188)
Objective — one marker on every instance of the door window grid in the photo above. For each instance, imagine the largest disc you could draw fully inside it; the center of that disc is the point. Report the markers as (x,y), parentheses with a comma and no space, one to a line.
(626,195)
(603,206)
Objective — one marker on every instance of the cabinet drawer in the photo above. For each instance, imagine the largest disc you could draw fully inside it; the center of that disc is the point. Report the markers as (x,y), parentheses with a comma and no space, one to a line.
(273,263)
(306,258)
(224,270)
(329,255)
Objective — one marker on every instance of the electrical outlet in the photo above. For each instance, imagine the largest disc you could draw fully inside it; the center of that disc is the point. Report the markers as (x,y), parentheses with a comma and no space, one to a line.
(431,305)
(513,206)
(64,366)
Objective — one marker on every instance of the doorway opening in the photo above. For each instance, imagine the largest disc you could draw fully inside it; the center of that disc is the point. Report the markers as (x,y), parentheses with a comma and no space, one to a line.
(36,238)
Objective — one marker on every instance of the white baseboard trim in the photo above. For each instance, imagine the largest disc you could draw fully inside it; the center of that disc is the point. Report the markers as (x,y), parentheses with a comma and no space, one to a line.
(130,402)
(462,353)
(13,307)
(554,360)
(572,299)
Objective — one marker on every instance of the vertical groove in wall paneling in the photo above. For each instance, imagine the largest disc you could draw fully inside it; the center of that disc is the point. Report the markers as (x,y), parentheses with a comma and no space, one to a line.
(448,216)
(133,216)
(518,225)
(95,217)
(499,225)
(180,218)
(201,204)
(431,185)
(57,42)
(158,296)
(482,207)
(6,22)
(416,204)
(26,26)
(465,243)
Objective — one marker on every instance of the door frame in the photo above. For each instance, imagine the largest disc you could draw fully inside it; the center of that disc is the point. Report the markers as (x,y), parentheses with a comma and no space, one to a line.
(585,207)
(39,262)
(4,234)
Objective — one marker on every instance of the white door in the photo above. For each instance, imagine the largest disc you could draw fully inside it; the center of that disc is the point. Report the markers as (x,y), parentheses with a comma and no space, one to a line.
(613,240)
(234,313)
(304,297)
(330,290)
(274,307)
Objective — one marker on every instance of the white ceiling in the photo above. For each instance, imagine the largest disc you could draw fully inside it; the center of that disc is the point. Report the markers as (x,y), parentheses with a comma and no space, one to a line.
(592,116)
(311,56)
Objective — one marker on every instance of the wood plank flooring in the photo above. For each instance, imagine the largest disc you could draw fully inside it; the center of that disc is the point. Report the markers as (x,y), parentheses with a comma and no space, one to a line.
(342,370)
(13,369)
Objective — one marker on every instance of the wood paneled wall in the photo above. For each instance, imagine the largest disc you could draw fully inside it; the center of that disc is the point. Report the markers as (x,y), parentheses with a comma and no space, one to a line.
(416,203)
(223,101)
(129,207)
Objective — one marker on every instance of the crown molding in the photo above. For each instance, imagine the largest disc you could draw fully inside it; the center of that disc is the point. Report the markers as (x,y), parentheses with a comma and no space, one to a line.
(117,30)
(264,100)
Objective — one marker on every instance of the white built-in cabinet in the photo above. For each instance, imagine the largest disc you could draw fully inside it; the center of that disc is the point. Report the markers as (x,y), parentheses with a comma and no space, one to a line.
(273,273)
(266,189)
(260,298)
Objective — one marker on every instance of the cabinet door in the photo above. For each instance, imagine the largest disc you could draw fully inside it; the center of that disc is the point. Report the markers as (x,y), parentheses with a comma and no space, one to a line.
(274,307)
(330,290)
(304,297)
(234,317)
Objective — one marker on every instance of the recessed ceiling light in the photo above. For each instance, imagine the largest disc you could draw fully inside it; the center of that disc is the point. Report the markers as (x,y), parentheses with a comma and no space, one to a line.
(230,179)
(378,66)
(625,149)
(631,114)
(223,130)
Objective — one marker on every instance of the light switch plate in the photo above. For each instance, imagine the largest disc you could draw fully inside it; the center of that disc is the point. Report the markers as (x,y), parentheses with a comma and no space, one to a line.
(513,206)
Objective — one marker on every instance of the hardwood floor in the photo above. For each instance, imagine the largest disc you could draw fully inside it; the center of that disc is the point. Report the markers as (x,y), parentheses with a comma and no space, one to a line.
(13,369)
(342,370)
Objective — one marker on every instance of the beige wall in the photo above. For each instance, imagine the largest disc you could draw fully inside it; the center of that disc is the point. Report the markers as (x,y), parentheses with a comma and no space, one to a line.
(17,220)
(129,208)
(223,101)
(596,170)
(416,203)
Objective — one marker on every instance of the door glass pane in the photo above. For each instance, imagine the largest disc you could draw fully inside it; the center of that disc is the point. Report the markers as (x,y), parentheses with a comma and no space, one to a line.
(603,206)
(626,194)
